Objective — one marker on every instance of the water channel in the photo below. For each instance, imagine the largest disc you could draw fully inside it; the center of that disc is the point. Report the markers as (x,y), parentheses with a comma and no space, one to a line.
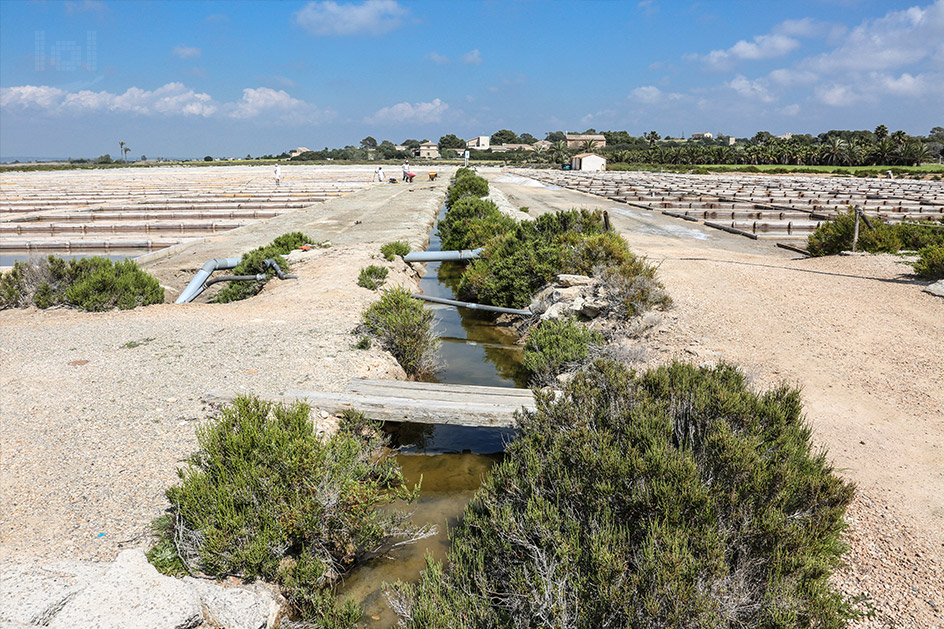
(452,460)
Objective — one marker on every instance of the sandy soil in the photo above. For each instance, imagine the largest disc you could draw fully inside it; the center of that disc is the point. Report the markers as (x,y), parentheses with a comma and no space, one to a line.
(89,447)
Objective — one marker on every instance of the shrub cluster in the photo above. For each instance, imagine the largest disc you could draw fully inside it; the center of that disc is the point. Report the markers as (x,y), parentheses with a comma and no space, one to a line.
(266,497)
(404,328)
(930,264)
(372,277)
(93,284)
(554,347)
(515,265)
(252,264)
(471,222)
(835,236)
(466,183)
(675,498)
(396,248)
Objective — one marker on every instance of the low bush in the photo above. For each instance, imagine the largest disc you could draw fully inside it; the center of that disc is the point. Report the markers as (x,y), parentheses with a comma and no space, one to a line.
(266,497)
(930,264)
(466,183)
(471,222)
(404,328)
(915,236)
(252,264)
(554,347)
(94,284)
(674,498)
(835,236)
(396,248)
(372,277)
(515,265)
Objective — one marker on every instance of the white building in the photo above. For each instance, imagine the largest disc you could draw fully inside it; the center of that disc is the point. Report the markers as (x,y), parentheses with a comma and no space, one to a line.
(429,150)
(587,161)
(481,142)
(702,136)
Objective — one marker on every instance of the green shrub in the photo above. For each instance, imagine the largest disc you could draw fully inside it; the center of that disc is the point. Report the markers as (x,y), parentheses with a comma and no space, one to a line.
(466,183)
(554,347)
(372,277)
(675,498)
(404,328)
(471,222)
(396,248)
(915,236)
(266,497)
(252,264)
(835,236)
(93,284)
(930,263)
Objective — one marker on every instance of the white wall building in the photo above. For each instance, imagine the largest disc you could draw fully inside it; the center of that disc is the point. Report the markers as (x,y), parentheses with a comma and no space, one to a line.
(587,161)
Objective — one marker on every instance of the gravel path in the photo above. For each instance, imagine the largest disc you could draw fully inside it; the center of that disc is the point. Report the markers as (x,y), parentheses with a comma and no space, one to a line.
(97,410)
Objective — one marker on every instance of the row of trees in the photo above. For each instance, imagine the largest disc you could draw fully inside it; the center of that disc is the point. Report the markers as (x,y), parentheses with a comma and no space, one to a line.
(832,148)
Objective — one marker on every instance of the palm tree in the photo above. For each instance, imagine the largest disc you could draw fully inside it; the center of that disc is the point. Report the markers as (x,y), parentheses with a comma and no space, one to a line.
(588,146)
(881,132)
(121,150)
(899,137)
(882,152)
(835,152)
(126,149)
(652,137)
(913,153)
(559,151)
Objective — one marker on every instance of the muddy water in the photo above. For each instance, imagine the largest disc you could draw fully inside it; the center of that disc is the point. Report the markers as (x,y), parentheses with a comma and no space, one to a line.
(452,460)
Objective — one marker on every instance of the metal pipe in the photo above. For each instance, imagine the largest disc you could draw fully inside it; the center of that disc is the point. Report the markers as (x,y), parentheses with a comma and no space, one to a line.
(197,286)
(235,278)
(471,306)
(442,256)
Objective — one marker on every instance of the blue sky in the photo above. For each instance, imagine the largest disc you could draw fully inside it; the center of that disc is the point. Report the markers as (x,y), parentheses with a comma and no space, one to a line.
(179,79)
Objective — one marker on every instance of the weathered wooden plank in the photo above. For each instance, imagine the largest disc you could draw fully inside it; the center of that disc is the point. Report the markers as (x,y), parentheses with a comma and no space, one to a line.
(365,385)
(432,397)
(406,409)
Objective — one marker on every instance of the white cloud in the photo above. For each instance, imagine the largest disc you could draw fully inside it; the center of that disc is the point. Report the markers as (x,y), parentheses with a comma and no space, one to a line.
(750,89)
(186,52)
(837,95)
(172,99)
(331,18)
(650,95)
(473,57)
(272,104)
(789,110)
(763,47)
(30,97)
(789,77)
(410,113)
(435,57)
(898,39)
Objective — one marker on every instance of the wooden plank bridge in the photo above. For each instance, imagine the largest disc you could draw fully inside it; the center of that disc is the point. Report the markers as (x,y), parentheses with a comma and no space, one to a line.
(423,402)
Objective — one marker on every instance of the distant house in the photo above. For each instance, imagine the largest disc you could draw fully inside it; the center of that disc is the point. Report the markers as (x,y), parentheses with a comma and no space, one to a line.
(298,151)
(481,142)
(542,144)
(785,136)
(504,148)
(587,161)
(428,150)
(702,136)
(576,140)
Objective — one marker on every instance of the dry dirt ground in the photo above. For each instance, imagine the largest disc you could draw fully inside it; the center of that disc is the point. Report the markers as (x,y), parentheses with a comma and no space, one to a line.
(860,339)
(89,447)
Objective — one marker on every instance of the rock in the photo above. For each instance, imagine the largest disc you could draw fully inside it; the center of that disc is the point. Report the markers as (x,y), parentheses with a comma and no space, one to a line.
(574,280)
(592,307)
(255,607)
(555,311)
(937,288)
(565,294)
(32,595)
(132,593)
